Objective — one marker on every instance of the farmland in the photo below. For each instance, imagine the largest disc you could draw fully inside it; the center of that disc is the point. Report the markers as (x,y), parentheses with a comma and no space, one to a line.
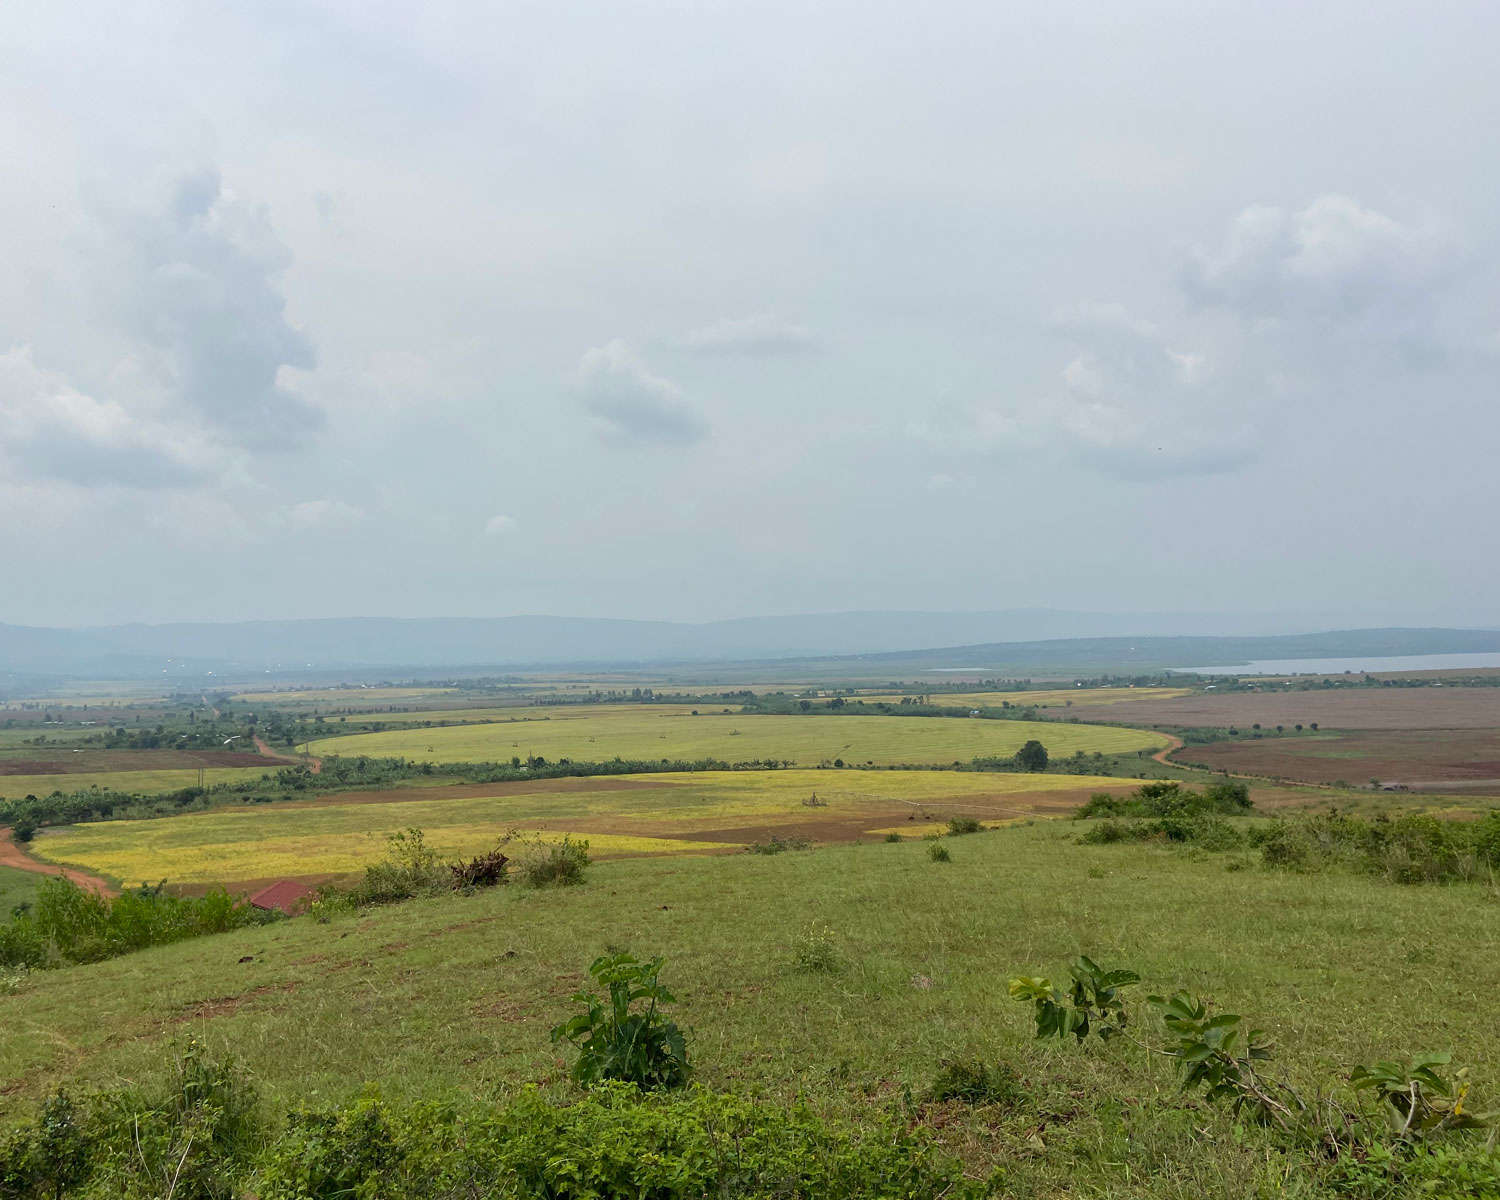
(1466,760)
(642,814)
(1042,697)
(1336,708)
(600,733)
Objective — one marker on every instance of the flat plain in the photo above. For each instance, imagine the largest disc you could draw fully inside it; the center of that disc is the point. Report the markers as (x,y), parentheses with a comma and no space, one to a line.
(650,732)
(1332,708)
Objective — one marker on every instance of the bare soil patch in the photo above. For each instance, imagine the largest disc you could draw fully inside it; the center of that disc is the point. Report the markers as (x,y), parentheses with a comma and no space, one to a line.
(1420,759)
(1350,708)
(227,1006)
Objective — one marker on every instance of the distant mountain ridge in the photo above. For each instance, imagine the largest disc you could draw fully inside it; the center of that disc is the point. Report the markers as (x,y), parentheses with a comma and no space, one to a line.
(1025,636)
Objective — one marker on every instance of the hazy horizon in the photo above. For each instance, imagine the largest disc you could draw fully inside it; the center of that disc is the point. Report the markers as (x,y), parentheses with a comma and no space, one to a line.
(689,312)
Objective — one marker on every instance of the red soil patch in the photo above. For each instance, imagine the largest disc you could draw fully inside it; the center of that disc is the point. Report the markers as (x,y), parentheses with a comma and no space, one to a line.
(227,1006)
(66,762)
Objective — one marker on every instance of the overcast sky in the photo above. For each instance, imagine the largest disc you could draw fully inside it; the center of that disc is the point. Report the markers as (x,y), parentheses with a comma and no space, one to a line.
(695,310)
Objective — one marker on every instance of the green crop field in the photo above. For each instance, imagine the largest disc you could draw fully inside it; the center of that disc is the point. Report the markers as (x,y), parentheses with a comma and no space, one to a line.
(145,782)
(600,733)
(649,814)
(457,993)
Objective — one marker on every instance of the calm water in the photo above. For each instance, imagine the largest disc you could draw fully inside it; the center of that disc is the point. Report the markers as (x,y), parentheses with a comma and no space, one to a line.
(1337,666)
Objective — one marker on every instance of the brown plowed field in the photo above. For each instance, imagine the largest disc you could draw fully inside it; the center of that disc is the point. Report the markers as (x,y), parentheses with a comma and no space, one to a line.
(65,762)
(1439,760)
(1352,708)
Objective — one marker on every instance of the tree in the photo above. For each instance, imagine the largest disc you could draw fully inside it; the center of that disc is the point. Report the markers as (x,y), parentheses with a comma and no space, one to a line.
(1032,756)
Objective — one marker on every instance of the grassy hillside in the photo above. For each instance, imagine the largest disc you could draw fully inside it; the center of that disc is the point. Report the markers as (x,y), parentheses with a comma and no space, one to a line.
(459,992)
(645,731)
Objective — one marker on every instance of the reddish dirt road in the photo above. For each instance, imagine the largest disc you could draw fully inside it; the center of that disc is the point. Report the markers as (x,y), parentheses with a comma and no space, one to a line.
(315,765)
(11,855)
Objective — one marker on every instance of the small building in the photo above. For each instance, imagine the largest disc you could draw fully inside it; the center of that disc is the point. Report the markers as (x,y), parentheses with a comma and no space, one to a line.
(285,895)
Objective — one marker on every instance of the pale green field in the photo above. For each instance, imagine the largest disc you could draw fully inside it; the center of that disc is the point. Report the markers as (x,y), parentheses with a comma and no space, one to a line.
(642,814)
(146,782)
(601,733)
(349,695)
(473,714)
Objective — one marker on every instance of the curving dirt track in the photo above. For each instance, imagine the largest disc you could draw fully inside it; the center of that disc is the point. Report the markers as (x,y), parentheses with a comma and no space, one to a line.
(11,855)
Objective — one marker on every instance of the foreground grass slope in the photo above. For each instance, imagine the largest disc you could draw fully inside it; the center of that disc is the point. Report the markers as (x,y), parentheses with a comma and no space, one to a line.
(460,992)
(597,734)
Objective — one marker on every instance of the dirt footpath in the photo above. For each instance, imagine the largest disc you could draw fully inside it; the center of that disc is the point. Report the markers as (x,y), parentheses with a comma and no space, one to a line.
(11,855)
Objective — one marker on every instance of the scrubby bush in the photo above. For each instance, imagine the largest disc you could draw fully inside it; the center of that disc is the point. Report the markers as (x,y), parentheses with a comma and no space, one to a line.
(553,864)
(1414,848)
(70,925)
(613,1142)
(893,836)
(410,868)
(1205,832)
(779,844)
(961,825)
(938,852)
(1168,798)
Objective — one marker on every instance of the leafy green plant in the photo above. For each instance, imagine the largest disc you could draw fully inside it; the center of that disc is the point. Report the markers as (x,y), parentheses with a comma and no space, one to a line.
(938,852)
(1417,1099)
(617,1041)
(1216,1055)
(779,844)
(1092,1003)
(893,836)
(961,825)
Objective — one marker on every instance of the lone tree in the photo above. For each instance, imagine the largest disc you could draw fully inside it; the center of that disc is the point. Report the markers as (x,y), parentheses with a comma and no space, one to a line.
(1032,756)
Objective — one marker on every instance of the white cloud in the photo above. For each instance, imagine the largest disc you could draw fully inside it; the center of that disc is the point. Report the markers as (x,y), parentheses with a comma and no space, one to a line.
(1128,406)
(499,525)
(192,274)
(633,403)
(50,429)
(763,334)
(1335,262)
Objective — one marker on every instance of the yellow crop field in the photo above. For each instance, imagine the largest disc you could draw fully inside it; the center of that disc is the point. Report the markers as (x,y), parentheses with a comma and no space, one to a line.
(648,732)
(1078,697)
(688,812)
(147,782)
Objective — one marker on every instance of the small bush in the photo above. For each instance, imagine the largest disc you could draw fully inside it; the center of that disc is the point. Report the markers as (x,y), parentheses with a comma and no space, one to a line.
(893,837)
(616,1042)
(961,825)
(817,949)
(553,864)
(938,852)
(410,868)
(976,1082)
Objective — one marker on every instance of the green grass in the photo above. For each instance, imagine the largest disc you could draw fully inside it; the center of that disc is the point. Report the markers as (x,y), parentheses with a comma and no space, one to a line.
(460,992)
(17,887)
(651,732)
(144,782)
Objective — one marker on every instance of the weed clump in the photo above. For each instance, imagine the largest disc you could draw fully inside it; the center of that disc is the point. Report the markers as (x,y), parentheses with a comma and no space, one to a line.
(816,949)
(973,1081)
(553,864)
(938,852)
(961,825)
(778,844)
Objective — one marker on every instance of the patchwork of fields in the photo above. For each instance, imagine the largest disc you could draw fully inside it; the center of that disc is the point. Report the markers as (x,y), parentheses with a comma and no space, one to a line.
(692,812)
(146,782)
(604,732)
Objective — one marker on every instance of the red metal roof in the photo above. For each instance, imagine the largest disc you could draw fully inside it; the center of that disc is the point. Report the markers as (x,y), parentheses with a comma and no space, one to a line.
(284,894)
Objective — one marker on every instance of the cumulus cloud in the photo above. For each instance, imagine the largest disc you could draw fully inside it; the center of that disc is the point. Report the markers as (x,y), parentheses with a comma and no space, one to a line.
(1128,403)
(760,335)
(195,291)
(634,404)
(1334,263)
(499,525)
(50,429)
